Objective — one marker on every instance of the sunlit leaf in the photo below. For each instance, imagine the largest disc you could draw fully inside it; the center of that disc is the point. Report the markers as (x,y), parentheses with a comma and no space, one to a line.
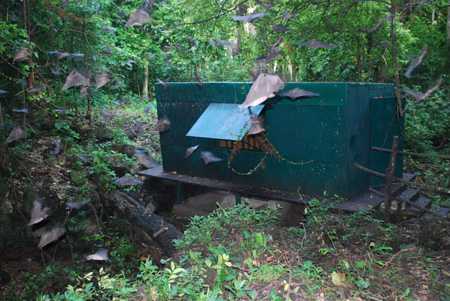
(22,55)
(75,79)
(265,87)
(299,93)
(190,151)
(339,279)
(209,157)
(249,18)
(163,125)
(39,213)
(102,79)
(51,235)
(128,181)
(416,62)
(16,134)
(100,255)
(138,18)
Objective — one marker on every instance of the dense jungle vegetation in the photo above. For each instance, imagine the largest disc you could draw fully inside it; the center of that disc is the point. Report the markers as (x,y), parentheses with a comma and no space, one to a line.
(78,119)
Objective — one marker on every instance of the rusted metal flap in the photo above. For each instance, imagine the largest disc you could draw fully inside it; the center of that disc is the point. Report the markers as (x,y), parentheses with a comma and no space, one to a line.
(224,121)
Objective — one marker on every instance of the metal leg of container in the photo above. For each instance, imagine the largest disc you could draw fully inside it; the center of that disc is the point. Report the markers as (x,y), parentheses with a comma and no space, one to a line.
(238,199)
(179,192)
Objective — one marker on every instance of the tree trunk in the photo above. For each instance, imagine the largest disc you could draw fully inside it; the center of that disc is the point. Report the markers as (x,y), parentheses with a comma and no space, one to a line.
(394,53)
(145,85)
(448,24)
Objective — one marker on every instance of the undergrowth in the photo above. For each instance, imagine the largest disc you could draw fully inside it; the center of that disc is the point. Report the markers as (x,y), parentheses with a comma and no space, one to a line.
(243,254)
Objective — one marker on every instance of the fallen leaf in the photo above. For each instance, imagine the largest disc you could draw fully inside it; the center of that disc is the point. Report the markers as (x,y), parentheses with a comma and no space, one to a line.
(416,62)
(339,279)
(16,134)
(419,96)
(299,93)
(52,235)
(249,18)
(317,44)
(100,255)
(38,213)
(101,80)
(265,87)
(163,125)
(128,181)
(190,151)
(22,55)
(257,126)
(138,18)
(209,158)
(75,79)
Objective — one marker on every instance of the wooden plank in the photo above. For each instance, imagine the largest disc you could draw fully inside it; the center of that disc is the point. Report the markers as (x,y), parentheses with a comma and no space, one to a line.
(442,212)
(365,201)
(245,190)
(409,195)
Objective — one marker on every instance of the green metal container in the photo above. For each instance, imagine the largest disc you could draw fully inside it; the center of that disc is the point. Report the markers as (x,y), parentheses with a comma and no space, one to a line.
(330,133)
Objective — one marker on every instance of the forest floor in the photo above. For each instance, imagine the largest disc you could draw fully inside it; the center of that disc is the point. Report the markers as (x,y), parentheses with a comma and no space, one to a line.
(233,253)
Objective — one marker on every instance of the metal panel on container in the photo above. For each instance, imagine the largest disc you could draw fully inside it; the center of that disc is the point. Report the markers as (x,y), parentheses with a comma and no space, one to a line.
(225,121)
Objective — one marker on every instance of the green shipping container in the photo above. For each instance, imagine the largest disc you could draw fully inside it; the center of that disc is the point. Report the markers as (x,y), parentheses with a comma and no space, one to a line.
(317,140)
